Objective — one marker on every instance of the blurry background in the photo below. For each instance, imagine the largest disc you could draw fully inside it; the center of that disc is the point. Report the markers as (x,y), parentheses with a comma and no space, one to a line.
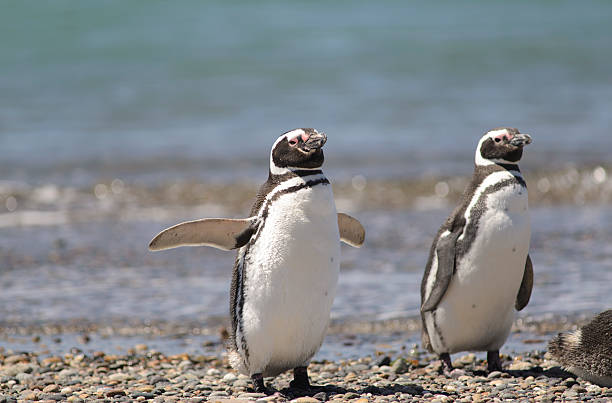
(120,119)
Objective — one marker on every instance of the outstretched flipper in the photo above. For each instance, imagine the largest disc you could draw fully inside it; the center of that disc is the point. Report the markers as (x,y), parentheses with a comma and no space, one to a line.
(220,233)
(524,293)
(351,231)
(446,251)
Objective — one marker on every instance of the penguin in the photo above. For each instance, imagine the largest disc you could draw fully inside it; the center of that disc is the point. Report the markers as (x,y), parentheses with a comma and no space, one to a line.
(286,269)
(479,270)
(587,352)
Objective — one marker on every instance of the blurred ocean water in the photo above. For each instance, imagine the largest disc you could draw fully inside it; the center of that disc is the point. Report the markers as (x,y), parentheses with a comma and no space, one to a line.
(118,119)
(144,90)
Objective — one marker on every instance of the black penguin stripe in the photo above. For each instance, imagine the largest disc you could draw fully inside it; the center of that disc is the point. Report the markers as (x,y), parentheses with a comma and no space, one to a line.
(237,306)
(277,195)
(298,172)
(274,181)
(477,211)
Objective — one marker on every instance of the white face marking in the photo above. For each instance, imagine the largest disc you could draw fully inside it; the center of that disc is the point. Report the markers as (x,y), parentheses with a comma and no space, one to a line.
(479,159)
(289,135)
(494,133)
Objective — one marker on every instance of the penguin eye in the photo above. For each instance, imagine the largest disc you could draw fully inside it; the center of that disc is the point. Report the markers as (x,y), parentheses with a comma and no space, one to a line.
(293,142)
(497,139)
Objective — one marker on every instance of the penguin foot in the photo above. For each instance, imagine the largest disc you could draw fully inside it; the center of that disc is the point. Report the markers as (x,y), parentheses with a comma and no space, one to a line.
(493,361)
(258,384)
(447,365)
(300,379)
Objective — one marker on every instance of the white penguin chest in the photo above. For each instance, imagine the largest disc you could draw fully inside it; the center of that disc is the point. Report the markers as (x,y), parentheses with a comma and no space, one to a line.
(495,258)
(300,234)
(291,277)
(503,229)
(477,310)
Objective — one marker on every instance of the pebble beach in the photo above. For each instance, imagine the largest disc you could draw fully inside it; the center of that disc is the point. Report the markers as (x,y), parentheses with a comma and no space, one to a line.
(146,375)
(388,372)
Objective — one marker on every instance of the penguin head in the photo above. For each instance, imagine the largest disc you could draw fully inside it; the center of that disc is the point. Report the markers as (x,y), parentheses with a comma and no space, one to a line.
(503,145)
(299,149)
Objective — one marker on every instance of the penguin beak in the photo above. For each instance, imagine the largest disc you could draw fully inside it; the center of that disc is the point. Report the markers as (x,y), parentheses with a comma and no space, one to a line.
(520,140)
(314,142)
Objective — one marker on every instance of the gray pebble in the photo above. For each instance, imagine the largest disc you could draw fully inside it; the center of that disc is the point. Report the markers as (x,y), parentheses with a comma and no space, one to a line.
(321,396)
(384,360)
(400,366)
(143,394)
(219,393)
(54,396)
(494,374)
(24,378)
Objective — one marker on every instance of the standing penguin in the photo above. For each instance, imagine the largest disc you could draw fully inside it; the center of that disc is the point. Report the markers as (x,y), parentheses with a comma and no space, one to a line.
(479,269)
(286,269)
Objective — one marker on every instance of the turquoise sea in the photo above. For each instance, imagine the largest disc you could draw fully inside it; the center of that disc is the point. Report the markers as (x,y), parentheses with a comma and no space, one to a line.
(116,88)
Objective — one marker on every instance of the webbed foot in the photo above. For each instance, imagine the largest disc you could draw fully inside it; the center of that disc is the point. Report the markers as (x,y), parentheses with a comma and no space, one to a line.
(258,384)
(493,361)
(300,379)
(447,365)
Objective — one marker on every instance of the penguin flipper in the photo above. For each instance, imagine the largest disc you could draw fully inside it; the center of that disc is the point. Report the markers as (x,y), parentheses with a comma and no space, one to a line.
(351,231)
(445,249)
(524,293)
(220,233)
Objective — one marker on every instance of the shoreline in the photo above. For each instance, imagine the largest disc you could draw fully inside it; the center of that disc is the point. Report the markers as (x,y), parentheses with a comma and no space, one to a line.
(141,374)
(386,373)
(108,198)
(538,324)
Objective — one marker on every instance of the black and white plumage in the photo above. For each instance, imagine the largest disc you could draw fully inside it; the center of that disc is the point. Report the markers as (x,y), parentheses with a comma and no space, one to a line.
(286,270)
(587,352)
(479,270)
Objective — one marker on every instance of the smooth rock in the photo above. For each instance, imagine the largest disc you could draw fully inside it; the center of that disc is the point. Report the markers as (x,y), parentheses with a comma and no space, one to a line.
(494,374)
(251,395)
(594,389)
(400,366)
(305,399)
(322,396)
(13,370)
(12,359)
(29,395)
(229,377)
(145,395)
(115,392)
(24,378)
(219,393)
(384,360)
(520,366)
(51,388)
(240,383)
